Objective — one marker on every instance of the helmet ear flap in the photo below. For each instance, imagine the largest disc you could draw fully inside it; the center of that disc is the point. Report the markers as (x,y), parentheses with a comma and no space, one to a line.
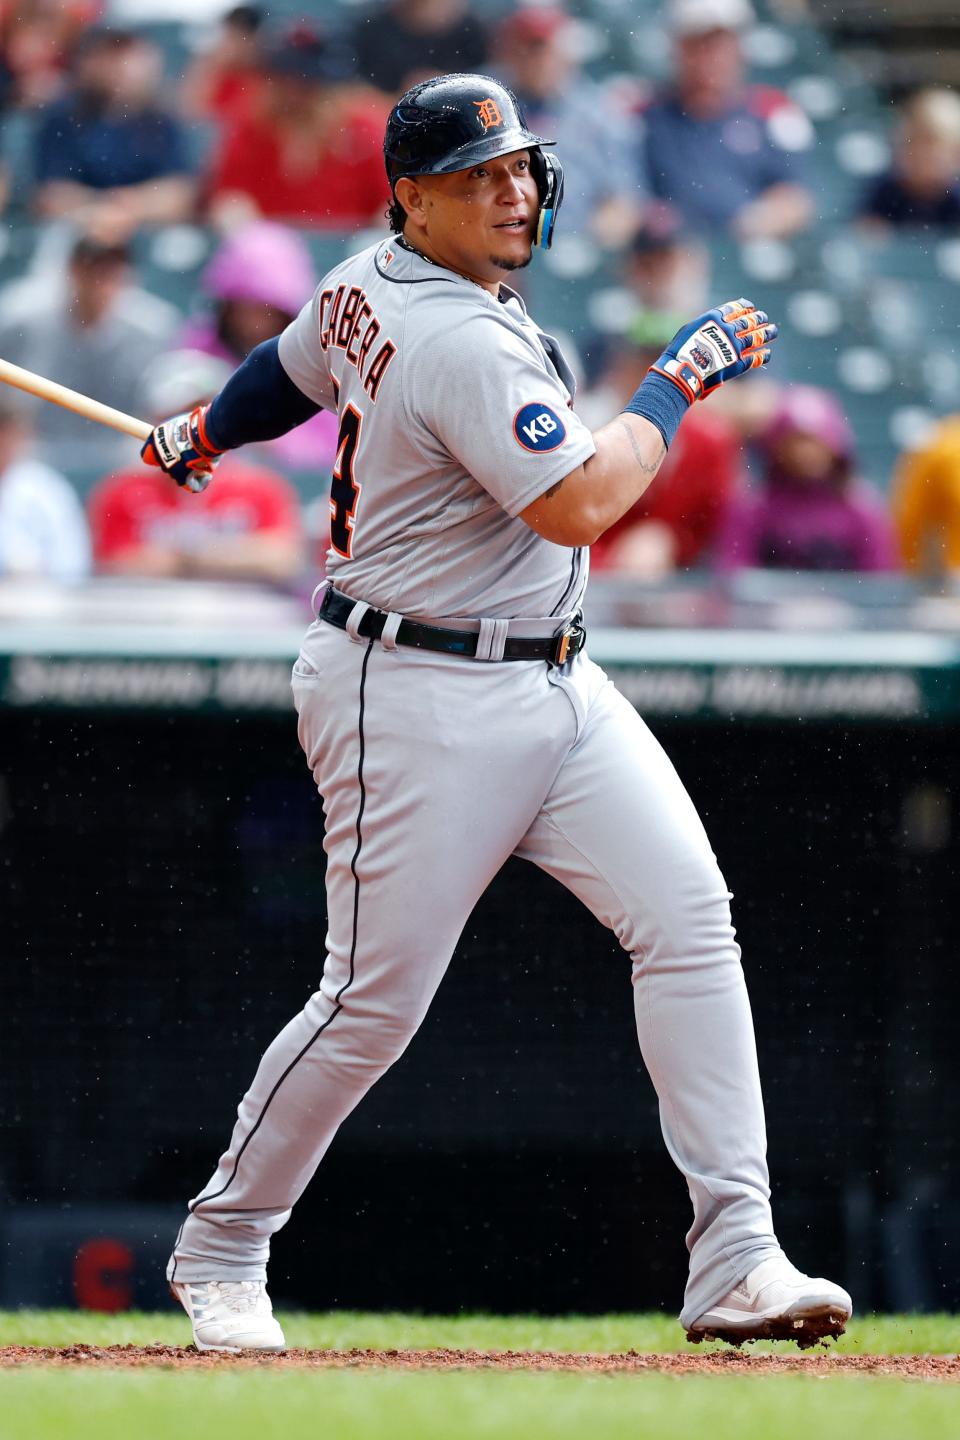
(548,173)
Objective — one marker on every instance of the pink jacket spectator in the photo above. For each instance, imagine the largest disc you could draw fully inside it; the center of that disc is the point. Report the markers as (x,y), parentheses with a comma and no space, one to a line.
(810,510)
(257,282)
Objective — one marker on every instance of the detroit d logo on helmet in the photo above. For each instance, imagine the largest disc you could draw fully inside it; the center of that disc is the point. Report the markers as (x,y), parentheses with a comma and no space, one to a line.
(488,113)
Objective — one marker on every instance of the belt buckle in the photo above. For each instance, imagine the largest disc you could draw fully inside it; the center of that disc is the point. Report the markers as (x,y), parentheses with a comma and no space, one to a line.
(573,632)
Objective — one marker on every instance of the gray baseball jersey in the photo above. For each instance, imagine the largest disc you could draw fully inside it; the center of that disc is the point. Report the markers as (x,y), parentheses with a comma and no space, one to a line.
(455,415)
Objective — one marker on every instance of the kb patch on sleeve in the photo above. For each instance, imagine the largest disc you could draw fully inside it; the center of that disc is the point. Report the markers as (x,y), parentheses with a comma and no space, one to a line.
(539,428)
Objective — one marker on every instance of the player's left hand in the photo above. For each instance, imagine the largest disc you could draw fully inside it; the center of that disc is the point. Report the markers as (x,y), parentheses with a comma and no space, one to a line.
(718,346)
(182,448)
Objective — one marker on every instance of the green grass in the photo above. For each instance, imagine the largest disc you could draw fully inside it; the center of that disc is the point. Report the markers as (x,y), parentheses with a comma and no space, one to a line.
(345,1330)
(379,1405)
(468,1406)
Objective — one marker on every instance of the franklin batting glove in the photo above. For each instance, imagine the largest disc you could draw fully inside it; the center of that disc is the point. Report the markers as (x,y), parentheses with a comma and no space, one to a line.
(717,346)
(181,447)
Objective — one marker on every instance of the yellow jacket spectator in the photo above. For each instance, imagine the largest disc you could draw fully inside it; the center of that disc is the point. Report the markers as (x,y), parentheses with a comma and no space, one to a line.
(926,502)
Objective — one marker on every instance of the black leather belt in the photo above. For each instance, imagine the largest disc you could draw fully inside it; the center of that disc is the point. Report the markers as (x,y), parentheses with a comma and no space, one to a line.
(335,609)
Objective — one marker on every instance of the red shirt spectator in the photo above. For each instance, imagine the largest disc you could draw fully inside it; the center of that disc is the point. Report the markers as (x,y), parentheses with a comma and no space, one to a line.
(35,45)
(309,151)
(142,524)
(342,183)
(224,79)
(688,497)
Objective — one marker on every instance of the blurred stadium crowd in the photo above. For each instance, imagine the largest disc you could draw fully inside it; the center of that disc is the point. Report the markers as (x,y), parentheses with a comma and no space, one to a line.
(175,179)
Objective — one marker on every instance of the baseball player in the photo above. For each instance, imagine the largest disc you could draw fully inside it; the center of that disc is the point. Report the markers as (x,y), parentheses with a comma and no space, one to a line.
(451,716)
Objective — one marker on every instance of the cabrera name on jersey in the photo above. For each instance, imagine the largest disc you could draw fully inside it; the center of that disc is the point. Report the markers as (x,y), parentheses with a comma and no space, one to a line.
(455,415)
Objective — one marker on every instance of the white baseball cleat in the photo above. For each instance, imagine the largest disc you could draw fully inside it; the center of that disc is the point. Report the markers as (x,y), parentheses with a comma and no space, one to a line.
(232,1315)
(776,1302)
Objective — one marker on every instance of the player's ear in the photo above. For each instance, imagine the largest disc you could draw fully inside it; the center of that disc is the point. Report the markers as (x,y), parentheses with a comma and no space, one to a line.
(410,196)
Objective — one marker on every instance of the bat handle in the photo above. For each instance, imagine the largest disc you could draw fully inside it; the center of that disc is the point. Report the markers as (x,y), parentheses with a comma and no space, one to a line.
(72,400)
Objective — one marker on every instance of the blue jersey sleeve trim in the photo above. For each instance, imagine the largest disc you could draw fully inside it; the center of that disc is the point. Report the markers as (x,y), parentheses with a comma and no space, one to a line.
(258,402)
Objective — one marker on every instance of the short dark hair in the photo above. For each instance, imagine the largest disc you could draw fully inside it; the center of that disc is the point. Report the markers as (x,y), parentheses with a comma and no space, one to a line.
(248,18)
(108,37)
(396,217)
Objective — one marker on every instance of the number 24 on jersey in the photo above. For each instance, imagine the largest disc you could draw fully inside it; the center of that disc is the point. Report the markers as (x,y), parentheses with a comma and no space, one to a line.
(345,488)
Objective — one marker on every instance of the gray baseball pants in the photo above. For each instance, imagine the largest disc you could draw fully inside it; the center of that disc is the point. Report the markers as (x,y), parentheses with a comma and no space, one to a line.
(433,771)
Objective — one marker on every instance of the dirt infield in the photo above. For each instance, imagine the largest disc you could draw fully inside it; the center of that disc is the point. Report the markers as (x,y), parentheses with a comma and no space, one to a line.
(171,1357)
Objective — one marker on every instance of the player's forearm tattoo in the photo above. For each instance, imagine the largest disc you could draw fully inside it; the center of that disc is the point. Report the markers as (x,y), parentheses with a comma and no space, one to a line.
(649,467)
(548,494)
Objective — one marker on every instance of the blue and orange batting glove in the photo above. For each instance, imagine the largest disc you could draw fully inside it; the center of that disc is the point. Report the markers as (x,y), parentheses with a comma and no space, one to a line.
(182,448)
(717,346)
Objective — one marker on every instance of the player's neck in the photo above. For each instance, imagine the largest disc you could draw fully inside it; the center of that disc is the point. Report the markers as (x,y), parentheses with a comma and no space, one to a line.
(425,251)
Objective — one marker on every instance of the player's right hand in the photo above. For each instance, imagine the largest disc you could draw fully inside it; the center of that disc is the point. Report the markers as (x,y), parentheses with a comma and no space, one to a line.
(180,446)
(717,346)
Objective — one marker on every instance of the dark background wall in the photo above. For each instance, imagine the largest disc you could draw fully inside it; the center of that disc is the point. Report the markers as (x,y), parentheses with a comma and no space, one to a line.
(164,916)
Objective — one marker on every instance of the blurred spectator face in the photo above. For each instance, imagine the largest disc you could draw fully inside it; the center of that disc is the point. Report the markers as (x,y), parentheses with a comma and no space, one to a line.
(98,273)
(294,100)
(259,278)
(244,324)
(304,75)
(709,64)
(535,47)
(809,441)
(429,14)
(37,41)
(806,458)
(660,274)
(928,145)
(666,272)
(707,52)
(240,36)
(120,69)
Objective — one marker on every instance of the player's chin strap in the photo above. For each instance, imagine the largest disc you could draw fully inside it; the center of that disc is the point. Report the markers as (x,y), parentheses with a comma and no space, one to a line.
(548,173)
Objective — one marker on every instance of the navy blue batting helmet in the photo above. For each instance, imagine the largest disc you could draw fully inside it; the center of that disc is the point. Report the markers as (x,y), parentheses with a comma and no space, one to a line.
(457,121)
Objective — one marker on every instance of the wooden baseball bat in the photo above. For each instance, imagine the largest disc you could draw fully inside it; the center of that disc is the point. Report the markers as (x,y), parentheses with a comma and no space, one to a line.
(73,400)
